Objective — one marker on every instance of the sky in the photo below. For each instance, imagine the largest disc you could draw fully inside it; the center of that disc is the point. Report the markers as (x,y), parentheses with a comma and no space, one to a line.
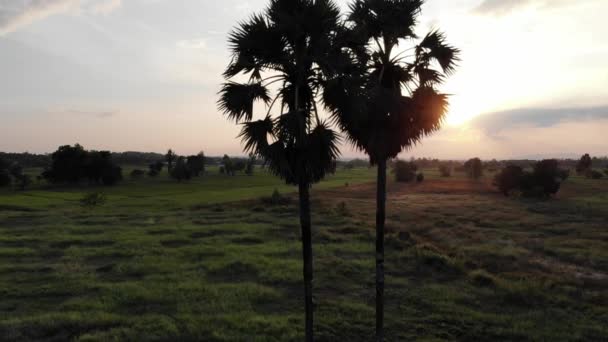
(143,75)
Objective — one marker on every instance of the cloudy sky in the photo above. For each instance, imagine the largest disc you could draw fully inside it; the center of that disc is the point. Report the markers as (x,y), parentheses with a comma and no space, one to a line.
(143,75)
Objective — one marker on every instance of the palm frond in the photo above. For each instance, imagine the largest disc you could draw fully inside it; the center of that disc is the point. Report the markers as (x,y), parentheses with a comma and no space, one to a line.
(322,150)
(255,135)
(256,45)
(434,47)
(236,99)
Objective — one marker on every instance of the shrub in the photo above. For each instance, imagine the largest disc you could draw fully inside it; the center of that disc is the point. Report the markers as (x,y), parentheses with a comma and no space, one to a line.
(404,171)
(445,170)
(135,174)
(584,164)
(93,200)
(420,178)
(342,209)
(564,174)
(482,278)
(474,168)
(276,199)
(154,169)
(544,181)
(509,179)
(594,174)
(606,172)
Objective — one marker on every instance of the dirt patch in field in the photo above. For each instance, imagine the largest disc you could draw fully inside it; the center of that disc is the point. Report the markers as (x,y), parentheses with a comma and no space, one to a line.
(433,186)
(175,243)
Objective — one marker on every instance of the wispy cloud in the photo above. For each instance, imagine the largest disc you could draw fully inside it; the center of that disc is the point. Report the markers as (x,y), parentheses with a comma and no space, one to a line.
(502,7)
(494,123)
(106,7)
(15,14)
(196,44)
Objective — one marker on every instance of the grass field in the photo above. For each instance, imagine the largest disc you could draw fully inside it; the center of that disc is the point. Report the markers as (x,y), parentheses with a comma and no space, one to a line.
(207,260)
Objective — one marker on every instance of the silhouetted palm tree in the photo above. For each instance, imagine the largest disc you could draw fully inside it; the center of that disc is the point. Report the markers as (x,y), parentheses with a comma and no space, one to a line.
(290,42)
(387,101)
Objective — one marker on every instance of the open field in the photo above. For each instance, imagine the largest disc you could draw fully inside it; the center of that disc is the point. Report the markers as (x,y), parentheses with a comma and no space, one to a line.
(208,260)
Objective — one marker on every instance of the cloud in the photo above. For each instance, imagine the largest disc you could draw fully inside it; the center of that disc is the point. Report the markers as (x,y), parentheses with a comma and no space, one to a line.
(502,7)
(15,14)
(106,7)
(90,113)
(493,124)
(196,44)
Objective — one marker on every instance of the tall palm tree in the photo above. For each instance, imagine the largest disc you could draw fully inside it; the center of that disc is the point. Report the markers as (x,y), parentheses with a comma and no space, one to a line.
(388,100)
(288,44)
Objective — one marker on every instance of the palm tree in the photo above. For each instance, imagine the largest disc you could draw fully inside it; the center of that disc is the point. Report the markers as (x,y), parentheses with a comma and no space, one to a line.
(170,158)
(290,44)
(387,101)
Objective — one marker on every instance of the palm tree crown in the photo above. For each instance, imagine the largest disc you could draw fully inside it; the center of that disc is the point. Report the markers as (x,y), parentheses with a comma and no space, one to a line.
(291,42)
(391,102)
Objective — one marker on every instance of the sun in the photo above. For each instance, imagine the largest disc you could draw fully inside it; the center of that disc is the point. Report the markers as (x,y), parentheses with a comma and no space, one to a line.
(460,112)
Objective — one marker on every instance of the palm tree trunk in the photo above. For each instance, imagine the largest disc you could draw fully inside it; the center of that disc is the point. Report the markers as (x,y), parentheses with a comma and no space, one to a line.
(380,216)
(306,256)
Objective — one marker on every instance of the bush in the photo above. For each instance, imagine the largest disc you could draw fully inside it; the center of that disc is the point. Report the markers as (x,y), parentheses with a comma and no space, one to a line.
(154,169)
(135,174)
(584,164)
(342,209)
(544,181)
(420,178)
(445,170)
(564,174)
(509,179)
(276,199)
(594,174)
(404,171)
(72,164)
(93,200)
(474,168)
(606,172)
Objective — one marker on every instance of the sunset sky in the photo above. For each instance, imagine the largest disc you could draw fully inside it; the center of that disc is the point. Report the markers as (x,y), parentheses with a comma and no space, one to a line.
(143,75)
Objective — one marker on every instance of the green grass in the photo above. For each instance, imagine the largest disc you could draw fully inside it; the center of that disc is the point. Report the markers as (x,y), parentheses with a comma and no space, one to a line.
(207,260)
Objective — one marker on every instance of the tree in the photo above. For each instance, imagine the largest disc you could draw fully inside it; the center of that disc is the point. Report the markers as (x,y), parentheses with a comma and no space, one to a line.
(5,178)
(366,95)
(180,170)
(474,168)
(584,165)
(445,170)
(155,169)
(509,179)
(170,158)
(292,42)
(250,165)
(67,165)
(404,171)
(543,181)
(227,166)
(137,174)
(196,164)
(71,164)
